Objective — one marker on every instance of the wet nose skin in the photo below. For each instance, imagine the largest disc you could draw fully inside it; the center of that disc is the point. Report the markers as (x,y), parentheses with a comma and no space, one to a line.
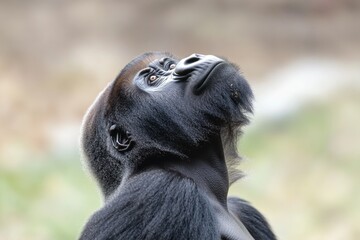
(189,64)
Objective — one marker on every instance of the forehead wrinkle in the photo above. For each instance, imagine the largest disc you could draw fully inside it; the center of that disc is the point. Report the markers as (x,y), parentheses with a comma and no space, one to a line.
(128,73)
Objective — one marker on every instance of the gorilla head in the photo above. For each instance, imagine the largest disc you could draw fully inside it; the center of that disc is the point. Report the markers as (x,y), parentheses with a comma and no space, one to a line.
(161,108)
(161,142)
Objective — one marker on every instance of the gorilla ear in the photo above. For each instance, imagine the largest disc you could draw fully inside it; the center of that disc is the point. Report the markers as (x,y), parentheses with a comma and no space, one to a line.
(121,140)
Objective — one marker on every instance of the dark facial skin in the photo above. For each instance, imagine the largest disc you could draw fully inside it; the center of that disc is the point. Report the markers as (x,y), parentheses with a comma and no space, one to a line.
(166,116)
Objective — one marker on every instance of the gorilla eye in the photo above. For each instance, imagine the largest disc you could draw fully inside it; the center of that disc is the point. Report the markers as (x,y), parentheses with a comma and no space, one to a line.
(172,66)
(152,79)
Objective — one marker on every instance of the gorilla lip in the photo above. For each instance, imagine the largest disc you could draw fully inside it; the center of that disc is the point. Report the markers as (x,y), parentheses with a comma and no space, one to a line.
(201,85)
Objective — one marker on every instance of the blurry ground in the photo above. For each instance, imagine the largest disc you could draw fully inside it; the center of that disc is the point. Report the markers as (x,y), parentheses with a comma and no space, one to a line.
(302,155)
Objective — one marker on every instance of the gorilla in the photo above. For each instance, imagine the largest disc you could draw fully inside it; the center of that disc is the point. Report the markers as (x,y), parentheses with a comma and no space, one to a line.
(161,142)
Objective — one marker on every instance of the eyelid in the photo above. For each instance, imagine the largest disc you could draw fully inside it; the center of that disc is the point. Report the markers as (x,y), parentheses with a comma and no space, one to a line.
(145,71)
(168,64)
(163,60)
(172,65)
(153,82)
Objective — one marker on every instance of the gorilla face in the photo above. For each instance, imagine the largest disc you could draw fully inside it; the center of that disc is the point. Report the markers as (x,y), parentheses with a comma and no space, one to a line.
(167,71)
(160,108)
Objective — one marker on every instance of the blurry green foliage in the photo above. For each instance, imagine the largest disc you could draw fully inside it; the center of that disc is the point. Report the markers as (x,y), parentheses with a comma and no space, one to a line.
(49,199)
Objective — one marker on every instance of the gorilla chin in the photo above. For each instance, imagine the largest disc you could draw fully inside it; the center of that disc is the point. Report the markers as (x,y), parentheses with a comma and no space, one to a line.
(161,142)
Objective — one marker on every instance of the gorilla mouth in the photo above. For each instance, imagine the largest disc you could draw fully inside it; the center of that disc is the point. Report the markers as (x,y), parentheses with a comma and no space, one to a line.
(206,77)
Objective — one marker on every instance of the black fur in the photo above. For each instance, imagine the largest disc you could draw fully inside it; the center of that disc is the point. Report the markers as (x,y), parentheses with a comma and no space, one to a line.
(158,203)
(164,151)
(253,220)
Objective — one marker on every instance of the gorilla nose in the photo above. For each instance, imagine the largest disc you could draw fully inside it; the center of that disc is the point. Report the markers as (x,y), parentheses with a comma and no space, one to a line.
(189,64)
(193,59)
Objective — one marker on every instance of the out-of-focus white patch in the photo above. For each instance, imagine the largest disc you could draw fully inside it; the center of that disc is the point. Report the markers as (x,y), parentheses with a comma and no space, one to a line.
(63,137)
(287,89)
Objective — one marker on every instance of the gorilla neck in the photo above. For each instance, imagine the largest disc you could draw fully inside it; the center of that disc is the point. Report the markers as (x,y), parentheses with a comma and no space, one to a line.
(208,169)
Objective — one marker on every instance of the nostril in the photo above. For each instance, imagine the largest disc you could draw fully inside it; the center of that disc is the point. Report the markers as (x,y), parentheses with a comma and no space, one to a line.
(191,60)
(187,65)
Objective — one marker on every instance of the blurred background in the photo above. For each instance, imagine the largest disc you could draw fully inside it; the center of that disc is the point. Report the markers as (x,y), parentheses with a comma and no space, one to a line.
(302,58)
